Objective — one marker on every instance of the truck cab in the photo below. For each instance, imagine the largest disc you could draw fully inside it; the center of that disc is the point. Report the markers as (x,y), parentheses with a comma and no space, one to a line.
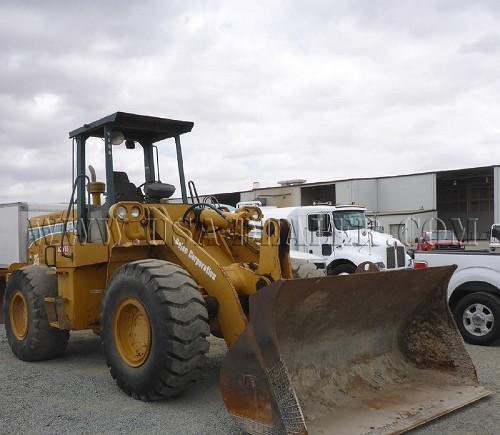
(340,235)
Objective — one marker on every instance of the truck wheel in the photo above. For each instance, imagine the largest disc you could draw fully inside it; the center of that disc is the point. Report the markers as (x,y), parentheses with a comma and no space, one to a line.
(478,318)
(304,269)
(30,336)
(342,269)
(154,329)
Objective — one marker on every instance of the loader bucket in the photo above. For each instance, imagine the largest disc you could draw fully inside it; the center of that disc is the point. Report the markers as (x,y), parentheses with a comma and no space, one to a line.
(368,353)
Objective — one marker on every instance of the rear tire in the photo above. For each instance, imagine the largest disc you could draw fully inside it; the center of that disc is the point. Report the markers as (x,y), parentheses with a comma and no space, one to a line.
(342,269)
(30,336)
(477,316)
(169,329)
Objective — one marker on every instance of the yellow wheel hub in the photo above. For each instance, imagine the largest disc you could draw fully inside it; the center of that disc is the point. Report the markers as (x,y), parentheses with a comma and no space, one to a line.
(18,315)
(132,332)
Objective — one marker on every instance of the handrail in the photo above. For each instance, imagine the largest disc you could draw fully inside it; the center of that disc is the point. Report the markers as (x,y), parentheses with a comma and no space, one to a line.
(193,192)
(70,206)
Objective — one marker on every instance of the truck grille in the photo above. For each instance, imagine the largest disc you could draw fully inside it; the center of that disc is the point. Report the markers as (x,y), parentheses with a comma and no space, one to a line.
(395,257)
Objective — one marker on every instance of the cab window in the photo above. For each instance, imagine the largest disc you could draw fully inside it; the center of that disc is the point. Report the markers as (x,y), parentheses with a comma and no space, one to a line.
(320,224)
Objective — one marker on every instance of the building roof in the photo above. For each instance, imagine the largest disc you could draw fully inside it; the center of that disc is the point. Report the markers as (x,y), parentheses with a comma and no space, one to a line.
(322,183)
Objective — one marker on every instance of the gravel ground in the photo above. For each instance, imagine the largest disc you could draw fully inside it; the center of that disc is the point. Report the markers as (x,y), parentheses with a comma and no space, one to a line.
(75,394)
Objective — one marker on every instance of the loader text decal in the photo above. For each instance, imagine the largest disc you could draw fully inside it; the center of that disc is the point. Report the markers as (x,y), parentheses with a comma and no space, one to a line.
(192,256)
(40,232)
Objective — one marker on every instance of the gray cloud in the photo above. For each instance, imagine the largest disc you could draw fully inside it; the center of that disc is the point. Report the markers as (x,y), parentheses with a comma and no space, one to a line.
(277,90)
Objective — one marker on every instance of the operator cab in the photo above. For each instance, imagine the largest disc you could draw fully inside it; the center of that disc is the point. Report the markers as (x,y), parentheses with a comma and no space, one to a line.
(129,131)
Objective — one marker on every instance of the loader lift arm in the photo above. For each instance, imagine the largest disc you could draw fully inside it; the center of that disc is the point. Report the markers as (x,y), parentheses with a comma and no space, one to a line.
(225,282)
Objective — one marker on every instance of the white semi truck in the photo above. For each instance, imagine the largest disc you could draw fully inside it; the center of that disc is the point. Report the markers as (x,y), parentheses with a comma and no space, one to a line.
(474,288)
(340,237)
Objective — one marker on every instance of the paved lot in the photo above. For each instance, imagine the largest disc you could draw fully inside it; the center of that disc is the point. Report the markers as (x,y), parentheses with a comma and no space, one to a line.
(75,394)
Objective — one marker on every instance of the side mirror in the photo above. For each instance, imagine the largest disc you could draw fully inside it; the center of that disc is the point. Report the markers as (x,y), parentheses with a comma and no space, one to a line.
(416,239)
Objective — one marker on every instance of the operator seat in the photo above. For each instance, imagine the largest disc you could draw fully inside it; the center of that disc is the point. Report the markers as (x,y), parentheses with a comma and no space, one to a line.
(124,189)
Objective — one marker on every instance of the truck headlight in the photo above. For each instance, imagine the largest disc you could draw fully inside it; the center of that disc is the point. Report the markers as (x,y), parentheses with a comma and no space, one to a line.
(121,212)
(380,265)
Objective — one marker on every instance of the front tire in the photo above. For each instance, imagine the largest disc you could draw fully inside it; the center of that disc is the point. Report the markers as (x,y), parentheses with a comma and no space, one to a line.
(154,329)
(30,336)
(342,269)
(477,316)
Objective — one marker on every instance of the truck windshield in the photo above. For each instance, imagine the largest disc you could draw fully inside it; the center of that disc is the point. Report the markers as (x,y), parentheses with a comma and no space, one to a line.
(349,220)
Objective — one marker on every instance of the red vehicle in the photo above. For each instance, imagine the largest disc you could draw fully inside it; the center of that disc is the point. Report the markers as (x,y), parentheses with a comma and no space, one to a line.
(439,240)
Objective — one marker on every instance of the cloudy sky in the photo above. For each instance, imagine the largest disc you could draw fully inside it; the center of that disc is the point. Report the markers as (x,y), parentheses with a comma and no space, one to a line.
(277,90)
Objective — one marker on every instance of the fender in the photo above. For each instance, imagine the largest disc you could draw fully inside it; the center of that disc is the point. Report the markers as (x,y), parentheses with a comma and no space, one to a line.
(353,255)
(474,274)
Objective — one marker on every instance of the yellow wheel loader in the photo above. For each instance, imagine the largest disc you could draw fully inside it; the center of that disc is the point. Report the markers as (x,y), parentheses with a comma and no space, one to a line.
(373,352)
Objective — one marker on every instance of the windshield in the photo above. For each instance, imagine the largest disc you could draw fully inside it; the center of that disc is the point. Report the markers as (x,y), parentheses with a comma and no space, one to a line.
(441,235)
(349,220)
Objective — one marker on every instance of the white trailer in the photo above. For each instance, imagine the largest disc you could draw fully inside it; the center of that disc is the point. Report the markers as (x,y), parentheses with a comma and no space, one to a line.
(14,229)
(340,236)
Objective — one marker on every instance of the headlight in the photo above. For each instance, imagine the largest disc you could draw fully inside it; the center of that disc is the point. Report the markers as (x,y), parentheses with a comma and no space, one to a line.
(135,212)
(380,265)
(121,212)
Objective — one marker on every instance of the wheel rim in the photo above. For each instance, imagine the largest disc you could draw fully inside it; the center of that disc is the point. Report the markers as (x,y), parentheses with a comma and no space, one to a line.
(132,332)
(478,319)
(18,314)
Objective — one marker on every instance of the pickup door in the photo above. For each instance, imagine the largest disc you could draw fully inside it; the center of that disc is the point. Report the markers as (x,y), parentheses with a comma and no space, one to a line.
(473,292)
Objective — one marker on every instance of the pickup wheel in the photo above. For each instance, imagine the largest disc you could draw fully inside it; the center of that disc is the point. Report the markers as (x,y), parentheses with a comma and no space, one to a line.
(478,318)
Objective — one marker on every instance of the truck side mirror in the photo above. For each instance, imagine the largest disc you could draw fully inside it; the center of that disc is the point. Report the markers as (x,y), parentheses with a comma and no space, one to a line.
(495,232)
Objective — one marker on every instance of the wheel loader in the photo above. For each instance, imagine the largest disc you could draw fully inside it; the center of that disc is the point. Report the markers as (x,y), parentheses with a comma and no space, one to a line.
(372,352)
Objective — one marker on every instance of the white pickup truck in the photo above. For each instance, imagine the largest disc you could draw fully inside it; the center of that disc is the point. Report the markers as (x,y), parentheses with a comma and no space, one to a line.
(339,237)
(474,288)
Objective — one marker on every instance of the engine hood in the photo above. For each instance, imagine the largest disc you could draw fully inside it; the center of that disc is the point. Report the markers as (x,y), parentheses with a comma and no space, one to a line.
(377,239)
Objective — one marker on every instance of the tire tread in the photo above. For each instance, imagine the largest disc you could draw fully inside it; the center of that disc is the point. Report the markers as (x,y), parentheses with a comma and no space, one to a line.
(184,320)
(43,341)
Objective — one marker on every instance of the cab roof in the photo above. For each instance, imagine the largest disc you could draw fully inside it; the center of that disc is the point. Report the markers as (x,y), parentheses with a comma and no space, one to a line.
(135,127)
(284,212)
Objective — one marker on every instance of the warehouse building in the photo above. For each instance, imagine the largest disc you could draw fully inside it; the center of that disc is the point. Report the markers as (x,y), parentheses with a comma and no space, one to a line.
(465,200)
